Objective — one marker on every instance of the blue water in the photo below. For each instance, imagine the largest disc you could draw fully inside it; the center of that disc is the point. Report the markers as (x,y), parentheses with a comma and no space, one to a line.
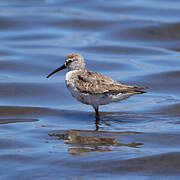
(45,133)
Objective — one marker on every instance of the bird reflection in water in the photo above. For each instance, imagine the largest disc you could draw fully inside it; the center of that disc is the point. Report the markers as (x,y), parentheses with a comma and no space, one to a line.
(85,141)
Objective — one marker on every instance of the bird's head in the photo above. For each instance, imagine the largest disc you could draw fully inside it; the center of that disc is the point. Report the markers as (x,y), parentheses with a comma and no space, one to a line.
(73,61)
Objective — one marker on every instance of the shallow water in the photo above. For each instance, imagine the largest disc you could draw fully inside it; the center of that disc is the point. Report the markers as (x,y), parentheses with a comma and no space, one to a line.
(45,133)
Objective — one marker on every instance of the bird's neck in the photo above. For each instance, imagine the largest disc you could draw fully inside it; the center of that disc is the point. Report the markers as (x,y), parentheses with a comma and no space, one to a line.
(75,69)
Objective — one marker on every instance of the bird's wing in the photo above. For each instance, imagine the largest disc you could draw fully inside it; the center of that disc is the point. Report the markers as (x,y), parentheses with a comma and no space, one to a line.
(94,83)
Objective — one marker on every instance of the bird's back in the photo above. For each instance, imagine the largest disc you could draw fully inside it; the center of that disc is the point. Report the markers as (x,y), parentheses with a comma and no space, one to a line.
(94,83)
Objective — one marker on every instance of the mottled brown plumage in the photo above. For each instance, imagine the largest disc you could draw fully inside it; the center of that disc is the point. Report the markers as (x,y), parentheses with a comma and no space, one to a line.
(95,83)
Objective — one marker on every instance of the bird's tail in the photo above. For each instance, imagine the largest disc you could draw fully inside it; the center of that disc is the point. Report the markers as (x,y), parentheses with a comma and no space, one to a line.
(139,89)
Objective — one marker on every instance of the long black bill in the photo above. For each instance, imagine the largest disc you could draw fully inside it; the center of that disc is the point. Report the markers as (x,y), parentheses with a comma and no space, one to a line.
(58,69)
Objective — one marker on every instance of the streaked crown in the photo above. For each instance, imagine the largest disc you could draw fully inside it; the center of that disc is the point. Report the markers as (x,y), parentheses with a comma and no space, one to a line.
(74,61)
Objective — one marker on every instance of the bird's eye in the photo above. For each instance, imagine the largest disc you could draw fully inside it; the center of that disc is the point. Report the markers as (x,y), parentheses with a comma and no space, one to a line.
(69,61)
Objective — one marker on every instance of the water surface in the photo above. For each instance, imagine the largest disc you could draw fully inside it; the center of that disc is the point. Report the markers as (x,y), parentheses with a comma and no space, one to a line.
(45,133)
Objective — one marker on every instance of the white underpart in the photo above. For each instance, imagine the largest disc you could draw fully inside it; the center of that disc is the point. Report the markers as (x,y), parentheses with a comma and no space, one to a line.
(92,99)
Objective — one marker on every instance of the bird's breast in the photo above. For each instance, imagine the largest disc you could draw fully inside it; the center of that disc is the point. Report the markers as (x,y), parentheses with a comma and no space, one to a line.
(71,77)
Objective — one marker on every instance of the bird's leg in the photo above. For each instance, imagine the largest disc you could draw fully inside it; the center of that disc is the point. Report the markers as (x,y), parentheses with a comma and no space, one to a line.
(96,112)
(97,124)
(97,117)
